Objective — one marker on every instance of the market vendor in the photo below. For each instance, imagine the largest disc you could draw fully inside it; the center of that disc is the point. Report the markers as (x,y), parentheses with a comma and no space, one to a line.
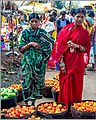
(36,45)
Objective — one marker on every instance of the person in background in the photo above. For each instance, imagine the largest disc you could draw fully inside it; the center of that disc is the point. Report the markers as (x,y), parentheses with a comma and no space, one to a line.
(2,43)
(72,15)
(89,25)
(20,28)
(51,29)
(90,17)
(36,46)
(22,22)
(61,22)
(93,43)
(53,14)
(89,22)
(67,15)
(16,21)
(11,23)
(54,33)
(69,48)
(42,18)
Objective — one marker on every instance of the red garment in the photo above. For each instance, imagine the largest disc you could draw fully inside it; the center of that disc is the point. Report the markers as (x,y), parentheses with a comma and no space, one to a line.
(71,84)
(11,25)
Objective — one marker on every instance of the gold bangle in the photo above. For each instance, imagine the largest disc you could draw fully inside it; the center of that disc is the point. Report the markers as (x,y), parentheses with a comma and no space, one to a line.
(81,48)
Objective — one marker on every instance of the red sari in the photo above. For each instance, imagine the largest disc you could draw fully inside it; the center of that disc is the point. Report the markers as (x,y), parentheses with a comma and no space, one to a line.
(71,84)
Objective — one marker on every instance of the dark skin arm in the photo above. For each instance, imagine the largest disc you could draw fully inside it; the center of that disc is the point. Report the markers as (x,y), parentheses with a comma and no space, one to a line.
(75,46)
(27,46)
(63,67)
(70,45)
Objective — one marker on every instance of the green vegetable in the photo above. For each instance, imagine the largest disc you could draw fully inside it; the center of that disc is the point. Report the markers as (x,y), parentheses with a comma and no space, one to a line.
(3,94)
(5,97)
(10,91)
(13,94)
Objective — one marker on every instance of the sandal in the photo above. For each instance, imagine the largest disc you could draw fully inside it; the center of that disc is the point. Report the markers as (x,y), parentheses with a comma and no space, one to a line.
(90,69)
(84,72)
(29,101)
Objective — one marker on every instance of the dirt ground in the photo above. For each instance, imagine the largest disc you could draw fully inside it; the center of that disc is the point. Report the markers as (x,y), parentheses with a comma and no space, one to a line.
(10,70)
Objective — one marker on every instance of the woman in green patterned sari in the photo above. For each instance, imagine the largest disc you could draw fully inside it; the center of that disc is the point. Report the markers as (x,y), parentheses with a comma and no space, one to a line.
(36,45)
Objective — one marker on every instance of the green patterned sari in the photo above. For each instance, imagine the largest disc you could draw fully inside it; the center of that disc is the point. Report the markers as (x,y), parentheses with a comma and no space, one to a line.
(34,62)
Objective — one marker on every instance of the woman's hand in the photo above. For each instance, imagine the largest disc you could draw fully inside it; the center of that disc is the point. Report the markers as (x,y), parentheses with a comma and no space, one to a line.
(62,67)
(72,45)
(35,45)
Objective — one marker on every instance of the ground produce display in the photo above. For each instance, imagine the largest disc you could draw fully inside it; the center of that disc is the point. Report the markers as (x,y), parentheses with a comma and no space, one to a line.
(85,109)
(87,106)
(18,111)
(14,19)
(52,110)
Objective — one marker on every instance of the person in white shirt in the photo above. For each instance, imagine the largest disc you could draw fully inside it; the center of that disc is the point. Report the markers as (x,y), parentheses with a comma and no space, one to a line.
(72,15)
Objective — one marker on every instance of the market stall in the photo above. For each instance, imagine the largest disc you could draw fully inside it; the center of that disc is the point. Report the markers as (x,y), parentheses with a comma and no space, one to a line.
(35,7)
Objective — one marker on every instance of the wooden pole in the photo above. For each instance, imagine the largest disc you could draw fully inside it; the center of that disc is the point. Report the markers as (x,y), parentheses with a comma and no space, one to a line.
(33,7)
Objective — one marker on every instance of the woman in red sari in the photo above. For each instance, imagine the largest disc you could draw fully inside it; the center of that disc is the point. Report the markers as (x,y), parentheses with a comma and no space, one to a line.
(69,50)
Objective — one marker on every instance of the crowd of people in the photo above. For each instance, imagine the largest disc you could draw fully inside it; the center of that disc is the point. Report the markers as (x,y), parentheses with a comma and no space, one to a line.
(67,39)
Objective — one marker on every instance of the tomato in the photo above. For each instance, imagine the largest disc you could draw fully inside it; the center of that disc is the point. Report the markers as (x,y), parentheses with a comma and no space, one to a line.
(11,109)
(17,114)
(32,107)
(23,112)
(65,107)
(18,106)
